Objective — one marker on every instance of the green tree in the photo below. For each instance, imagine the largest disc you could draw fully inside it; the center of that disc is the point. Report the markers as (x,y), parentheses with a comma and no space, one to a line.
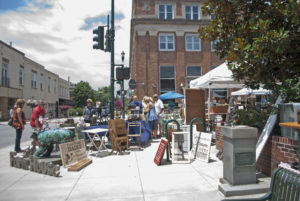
(81,93)
(260,39)
(103,95)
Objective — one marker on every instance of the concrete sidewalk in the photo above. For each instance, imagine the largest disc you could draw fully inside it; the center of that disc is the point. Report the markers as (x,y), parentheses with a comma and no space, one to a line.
(132,176)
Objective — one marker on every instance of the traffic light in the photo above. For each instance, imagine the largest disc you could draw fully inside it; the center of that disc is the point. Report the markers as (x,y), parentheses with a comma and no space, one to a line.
(107,41)
(123,73)
(99,38)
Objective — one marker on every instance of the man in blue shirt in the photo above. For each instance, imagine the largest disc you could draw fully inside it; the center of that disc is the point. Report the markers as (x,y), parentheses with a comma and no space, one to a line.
(137,103)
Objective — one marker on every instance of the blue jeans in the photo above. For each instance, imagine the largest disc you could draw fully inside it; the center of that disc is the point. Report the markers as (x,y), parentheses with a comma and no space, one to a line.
(18,139)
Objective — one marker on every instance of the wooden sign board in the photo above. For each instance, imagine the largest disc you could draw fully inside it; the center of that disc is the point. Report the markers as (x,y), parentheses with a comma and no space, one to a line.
(160,151)
(204,144)
(72,152)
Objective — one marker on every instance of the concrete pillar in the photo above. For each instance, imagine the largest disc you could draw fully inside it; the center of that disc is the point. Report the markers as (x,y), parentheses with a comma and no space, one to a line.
(239,164)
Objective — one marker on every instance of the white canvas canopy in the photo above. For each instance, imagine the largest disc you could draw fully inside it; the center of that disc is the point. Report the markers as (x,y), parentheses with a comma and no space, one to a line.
(220,77)
(247,91)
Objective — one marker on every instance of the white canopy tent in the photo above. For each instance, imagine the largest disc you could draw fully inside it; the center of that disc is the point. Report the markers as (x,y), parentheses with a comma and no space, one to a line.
(247,91)
(219,77)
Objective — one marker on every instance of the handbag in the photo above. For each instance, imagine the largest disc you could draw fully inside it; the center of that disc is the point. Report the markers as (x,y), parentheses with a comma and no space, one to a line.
(10,122)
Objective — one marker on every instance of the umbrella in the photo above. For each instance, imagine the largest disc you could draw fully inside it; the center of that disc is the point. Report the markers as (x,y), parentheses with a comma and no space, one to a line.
(170,95)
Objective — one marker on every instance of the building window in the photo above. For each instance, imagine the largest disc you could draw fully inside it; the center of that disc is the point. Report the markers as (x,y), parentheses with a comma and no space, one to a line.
(193,71)
(33,80)
(4,75)
(49,84)
(212,67)
(166,42)
(21,77)
(213,45)
(192,42)
(167,78)
(42,82)
(192,13)
(165,12)
(54,86)
(220,93)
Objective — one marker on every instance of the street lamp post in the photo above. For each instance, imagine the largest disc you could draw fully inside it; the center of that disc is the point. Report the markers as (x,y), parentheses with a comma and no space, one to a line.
(112,59)
(122,86)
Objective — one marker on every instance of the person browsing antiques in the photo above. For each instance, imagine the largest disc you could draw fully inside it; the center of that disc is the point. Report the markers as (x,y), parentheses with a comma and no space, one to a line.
(152,117)
(137,103)
(159,108)
(88,111)
(38,115)
(18,123)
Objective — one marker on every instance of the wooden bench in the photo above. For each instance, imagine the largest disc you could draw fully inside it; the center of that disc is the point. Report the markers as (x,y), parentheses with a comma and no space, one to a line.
(285,186)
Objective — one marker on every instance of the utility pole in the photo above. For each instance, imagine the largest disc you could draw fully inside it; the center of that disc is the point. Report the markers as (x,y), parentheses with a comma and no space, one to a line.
(112,60)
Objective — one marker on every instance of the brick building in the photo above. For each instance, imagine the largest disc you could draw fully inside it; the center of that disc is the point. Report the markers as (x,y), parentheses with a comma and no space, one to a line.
(165,49)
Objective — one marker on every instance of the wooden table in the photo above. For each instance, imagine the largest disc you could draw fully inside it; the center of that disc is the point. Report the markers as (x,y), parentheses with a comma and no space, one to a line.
(295,126)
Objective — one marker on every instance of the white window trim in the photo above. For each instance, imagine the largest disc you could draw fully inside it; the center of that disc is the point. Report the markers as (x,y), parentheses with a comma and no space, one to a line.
(167,78)
(212,49)
(193,49)
(165,11)
(192,12)
(54,86)
(33,80)
(166,34)
(192,66)
(42,82)
(49,85)
(21,70)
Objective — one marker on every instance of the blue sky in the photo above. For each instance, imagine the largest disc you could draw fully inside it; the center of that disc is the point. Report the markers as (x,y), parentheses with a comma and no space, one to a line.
(11,4)
(58,35)
(7,5)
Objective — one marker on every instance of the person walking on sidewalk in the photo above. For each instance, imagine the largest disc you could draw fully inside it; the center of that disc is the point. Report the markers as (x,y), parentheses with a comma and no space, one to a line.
(37,116)
(19,122)
(159,108)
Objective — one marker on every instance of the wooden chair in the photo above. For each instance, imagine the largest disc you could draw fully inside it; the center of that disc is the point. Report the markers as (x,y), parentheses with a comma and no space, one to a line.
(118,135)
(135,135)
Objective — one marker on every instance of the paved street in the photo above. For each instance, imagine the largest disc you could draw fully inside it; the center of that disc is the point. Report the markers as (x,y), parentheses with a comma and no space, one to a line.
(8,134)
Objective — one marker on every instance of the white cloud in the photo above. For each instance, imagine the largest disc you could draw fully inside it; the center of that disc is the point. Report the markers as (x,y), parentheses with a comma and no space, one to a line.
(53,38)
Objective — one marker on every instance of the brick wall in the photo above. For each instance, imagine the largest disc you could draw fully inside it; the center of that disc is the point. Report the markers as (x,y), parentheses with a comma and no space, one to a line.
(219,138)
(263,163)
(283,150)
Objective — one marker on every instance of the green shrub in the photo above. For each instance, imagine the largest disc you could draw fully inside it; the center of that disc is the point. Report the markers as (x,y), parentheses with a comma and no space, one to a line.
(72,112)
(79,111)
